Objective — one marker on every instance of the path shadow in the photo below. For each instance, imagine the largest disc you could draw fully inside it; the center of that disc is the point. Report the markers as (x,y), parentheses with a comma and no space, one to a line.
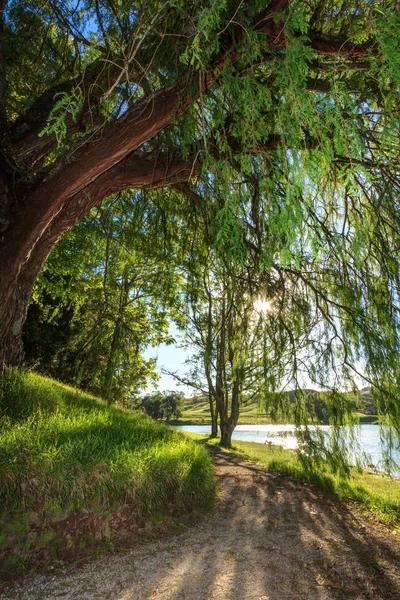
(277,538)
(271,537)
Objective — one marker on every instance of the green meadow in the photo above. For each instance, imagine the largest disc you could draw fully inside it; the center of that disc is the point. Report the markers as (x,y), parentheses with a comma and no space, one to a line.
(62,447)
(250,414)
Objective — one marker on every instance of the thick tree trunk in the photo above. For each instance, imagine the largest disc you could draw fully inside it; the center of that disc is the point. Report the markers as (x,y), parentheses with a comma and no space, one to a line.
(227,428)
(18,273)
(12,317)
(14,302)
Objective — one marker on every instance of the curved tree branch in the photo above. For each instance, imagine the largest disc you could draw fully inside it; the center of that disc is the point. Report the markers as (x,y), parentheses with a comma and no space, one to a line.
(99,154)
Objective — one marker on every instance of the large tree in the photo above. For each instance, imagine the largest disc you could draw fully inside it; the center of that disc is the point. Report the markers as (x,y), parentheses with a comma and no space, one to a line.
(100,96)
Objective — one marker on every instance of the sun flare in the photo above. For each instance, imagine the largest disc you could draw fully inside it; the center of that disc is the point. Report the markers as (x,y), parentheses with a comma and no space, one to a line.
(263,306)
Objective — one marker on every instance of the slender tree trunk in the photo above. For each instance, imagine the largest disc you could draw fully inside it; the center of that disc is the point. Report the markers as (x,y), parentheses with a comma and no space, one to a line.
(219,389)
(108,379)
(223,417)
(227,423)
(214,415)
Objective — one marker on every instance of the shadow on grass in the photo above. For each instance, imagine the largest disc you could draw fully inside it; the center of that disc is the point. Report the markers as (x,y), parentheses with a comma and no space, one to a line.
(270,537)
(373,492)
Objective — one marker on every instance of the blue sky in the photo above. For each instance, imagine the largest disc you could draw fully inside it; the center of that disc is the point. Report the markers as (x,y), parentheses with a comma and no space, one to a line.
(171,358)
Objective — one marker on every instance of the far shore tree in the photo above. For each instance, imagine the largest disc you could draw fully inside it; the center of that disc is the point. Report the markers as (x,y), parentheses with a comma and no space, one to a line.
(161,405)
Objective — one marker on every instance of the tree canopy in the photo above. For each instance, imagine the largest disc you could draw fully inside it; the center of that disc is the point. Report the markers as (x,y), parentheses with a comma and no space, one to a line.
(105,294)
(277,121)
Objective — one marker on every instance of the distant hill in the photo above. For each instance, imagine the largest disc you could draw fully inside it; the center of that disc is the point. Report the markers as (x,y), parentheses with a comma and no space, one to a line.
(316,401)
(196,408)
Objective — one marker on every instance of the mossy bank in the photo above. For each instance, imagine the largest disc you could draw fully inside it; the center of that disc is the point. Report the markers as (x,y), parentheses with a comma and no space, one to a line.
(76,473)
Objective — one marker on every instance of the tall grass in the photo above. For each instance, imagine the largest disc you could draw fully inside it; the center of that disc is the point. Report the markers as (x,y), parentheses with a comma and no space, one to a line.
(62,448)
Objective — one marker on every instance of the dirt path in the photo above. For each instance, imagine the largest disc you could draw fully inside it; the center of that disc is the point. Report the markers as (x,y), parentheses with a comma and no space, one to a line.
(271,538)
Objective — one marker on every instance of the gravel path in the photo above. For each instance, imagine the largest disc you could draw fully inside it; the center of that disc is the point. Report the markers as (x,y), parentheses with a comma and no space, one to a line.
(270,538)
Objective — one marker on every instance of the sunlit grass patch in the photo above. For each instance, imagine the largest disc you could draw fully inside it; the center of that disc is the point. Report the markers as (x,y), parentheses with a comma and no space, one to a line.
(376,492)
(61,446)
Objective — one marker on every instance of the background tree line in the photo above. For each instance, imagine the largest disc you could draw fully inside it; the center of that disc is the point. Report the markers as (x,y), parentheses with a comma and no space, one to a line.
(161,405)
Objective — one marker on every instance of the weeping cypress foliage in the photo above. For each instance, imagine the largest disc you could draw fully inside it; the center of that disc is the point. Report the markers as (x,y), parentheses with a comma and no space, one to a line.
(105,295)
(314,216)
(291,125)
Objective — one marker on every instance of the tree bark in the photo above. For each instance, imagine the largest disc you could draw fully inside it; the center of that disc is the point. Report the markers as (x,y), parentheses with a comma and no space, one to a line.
(221,383)
(226,434)
(228,427)
(13,310)
(214,415)
(16,281)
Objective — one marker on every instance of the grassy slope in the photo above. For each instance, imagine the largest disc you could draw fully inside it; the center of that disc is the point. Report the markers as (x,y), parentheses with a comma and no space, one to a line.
(66,449)
(200,414)
(377,493)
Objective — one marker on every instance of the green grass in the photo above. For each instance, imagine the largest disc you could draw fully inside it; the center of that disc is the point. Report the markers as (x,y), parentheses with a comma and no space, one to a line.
(376,492)
(199,414)
(65,449)
(368,419)
(250,414)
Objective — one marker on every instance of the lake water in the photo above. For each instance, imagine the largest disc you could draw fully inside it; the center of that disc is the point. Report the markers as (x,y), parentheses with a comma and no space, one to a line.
(368,439)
